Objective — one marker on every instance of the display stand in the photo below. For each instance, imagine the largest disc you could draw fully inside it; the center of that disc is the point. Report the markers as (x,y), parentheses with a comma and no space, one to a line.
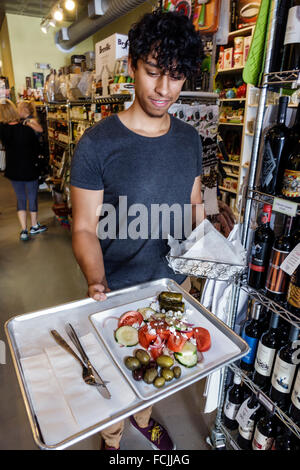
(221,437)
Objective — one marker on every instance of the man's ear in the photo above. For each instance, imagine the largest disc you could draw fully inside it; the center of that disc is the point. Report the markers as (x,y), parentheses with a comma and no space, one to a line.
(131,69)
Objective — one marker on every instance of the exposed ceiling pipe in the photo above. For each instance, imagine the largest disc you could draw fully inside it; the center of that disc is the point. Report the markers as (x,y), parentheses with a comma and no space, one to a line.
(67,38)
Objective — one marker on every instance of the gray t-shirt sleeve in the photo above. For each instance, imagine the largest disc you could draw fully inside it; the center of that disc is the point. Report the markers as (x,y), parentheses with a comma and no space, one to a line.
(199,157)
(86,171)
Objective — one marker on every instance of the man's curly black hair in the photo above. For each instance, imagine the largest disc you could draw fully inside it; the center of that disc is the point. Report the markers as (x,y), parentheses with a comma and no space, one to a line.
(172,40)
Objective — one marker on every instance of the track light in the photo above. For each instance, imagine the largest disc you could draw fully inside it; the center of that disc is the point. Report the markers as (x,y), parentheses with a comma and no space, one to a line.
(52,22)
(45,26)
(69,5)
(58,14)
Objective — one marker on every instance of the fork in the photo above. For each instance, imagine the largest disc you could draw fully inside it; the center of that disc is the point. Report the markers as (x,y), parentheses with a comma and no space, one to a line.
(87,373)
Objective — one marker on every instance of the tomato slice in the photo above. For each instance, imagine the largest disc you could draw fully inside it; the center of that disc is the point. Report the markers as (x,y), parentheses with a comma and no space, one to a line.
(176,342)
(130,318)
(202,338)
(156,348)
(161,329)
(145,337)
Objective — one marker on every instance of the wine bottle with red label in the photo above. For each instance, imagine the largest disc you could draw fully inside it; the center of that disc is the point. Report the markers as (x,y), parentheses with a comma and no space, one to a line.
(277,279)
(261,249)
(264,433)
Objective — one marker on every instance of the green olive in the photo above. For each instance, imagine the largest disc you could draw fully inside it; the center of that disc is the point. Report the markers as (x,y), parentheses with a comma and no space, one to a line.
(177,372)
(142,356)
(165,361)
(132,363)
(159,382)
(150,375)
(167,374)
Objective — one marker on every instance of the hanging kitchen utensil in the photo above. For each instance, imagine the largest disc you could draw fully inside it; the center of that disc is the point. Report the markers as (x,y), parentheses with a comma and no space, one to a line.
(185,7)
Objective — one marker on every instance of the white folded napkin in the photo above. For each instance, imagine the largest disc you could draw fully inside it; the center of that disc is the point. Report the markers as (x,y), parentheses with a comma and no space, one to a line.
(64,404)
(206,243)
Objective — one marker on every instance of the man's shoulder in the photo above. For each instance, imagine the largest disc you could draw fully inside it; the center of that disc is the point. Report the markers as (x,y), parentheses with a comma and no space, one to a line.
(104,128)
(184,128)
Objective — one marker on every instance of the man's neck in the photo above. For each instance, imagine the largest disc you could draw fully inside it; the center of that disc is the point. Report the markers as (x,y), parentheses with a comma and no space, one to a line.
(139,122)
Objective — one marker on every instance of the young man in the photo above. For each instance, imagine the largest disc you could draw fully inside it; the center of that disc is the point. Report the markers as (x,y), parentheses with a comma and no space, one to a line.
(151,158)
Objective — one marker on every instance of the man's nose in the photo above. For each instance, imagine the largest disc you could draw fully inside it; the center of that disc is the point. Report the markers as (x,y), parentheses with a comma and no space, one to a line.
(162,85)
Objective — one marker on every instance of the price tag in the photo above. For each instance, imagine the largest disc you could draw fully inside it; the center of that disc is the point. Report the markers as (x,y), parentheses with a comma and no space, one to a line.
(266,402)
(244,413)
(285,207)
(292,261)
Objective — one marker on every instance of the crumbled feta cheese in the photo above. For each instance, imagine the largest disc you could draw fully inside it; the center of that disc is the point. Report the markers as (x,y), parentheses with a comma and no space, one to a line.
(152,331)
(184,336)
(193,341)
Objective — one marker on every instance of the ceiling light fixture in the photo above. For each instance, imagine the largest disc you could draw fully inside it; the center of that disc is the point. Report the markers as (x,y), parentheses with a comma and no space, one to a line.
(69,5)
(58,13)
(45,26)
(52,22)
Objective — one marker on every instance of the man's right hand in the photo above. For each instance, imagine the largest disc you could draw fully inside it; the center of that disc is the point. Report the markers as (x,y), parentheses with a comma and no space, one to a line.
(97,291)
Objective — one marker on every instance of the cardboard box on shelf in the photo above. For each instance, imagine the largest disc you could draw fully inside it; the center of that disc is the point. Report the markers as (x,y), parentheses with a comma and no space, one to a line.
(228,58)
(109,50)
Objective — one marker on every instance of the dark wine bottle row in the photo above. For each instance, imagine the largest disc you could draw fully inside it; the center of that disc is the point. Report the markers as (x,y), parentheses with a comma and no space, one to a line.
(280,172)
(272,366)
(267,254)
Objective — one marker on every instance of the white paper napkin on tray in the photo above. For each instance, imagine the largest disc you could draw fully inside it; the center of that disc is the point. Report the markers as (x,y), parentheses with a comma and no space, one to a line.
(63,403)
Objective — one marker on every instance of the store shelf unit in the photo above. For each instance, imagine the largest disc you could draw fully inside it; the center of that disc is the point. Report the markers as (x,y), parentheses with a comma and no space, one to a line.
(67,121)
(220,436)
(244,137)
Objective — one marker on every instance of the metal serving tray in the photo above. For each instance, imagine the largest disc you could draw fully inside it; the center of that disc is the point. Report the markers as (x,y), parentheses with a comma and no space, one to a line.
(28,335)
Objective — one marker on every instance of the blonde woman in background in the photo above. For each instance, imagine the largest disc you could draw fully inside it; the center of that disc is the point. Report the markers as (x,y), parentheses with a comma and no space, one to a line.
(22,150)
(28,116)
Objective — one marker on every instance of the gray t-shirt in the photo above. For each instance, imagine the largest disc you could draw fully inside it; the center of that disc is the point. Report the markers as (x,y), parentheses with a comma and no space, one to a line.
(138,175)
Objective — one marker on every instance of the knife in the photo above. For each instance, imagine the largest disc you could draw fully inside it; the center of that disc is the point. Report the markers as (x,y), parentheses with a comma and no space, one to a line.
(75,339)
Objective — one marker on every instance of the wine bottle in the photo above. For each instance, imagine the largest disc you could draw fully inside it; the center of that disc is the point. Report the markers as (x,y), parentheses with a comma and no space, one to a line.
(289,183)
(294,411)
(234,399)
(291,52)
(266,351)
(261,249)
(293,294)
(284,370)
(264,433)
(246,428)
(251,334)
(278,48)
(286,440)
(274,143)
(277,279)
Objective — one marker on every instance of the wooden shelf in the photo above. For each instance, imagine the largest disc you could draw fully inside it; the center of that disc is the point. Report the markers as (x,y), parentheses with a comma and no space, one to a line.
(230,163)
(232,175)
(232,99)
(231,70)
(231,124)
(228,190)
(241,32)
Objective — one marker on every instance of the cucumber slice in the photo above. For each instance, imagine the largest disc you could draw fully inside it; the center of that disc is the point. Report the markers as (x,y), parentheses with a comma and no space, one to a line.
(188,355)
(127,336)
(147,313)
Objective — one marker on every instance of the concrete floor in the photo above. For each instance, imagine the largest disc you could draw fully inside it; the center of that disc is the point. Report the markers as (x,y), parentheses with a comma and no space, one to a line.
(42,273)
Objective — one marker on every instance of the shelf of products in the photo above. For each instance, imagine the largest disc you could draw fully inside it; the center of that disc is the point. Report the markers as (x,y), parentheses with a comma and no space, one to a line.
(266,401)
(67,121)
(280,311)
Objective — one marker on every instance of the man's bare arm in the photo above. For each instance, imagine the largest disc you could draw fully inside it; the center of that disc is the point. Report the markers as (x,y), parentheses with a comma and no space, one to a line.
(85,243)
(198,211)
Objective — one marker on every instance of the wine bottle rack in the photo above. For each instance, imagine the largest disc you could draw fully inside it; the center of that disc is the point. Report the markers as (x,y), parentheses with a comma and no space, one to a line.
(231,437)
(263,198)
(290,77)
(271,304)
(263,398)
